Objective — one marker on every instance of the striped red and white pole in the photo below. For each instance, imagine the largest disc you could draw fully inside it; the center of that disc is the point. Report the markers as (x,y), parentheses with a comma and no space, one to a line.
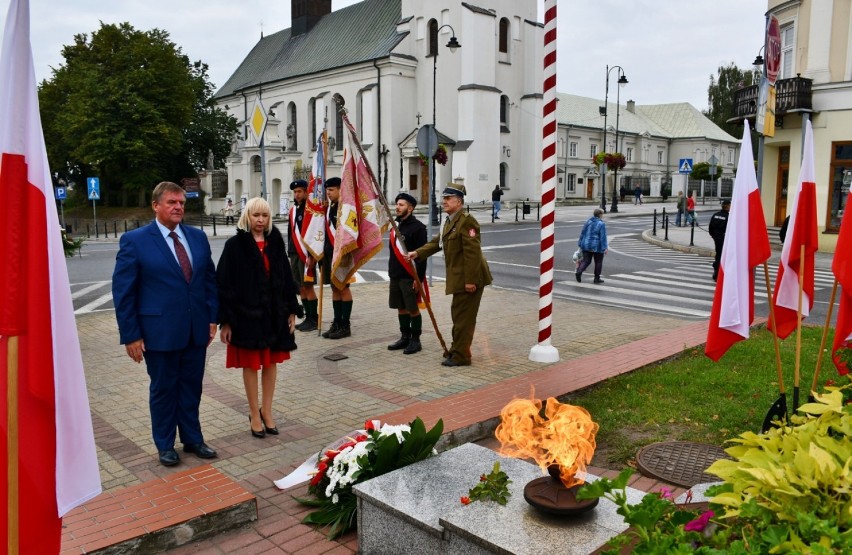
(544,351)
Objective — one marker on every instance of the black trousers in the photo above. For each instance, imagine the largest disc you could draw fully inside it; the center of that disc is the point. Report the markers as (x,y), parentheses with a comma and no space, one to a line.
(587,260)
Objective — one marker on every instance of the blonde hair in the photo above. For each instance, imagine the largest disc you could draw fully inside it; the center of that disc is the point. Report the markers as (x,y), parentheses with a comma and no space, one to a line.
(252,206)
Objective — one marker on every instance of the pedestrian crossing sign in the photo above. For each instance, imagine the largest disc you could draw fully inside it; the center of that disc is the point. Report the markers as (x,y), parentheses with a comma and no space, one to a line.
(685,165)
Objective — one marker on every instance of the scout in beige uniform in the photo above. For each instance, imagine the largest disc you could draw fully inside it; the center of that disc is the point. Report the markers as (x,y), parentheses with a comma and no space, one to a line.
(467,271)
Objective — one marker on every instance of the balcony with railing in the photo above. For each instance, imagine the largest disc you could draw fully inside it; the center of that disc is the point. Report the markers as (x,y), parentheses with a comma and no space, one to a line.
(791,96)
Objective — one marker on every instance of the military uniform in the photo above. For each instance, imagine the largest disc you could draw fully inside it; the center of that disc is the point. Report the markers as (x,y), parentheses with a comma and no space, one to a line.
(412,234)
(298,255)
(717,228)
(341,301)
(459,238)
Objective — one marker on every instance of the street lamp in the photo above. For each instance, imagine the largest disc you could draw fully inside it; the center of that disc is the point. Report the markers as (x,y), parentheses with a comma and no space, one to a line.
(622,80)
(453,45)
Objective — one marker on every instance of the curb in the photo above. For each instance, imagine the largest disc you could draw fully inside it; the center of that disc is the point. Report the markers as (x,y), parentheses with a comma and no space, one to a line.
(701,251)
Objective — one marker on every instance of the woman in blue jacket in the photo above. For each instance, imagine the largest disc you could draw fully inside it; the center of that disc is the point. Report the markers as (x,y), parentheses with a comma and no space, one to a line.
(593,243)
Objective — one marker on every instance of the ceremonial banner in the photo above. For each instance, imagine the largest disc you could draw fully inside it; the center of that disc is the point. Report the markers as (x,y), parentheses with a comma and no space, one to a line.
(361,223)
(746,245)
(313,226)
(55,452)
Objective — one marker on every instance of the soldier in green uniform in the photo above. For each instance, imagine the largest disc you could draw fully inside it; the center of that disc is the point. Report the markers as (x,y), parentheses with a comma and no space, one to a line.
(467,271)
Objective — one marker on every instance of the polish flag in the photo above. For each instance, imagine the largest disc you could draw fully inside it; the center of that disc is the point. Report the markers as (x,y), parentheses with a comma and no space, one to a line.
(746,246)
(57,460)
(801,232)
(842,268)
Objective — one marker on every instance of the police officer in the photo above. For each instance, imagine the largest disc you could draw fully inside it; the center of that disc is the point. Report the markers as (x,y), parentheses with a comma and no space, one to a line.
(299,256)
(404,293)
(718,225)
(341,299)
(467,270)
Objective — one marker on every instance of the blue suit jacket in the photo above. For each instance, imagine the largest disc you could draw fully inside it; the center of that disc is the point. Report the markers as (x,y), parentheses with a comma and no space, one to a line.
(152,299)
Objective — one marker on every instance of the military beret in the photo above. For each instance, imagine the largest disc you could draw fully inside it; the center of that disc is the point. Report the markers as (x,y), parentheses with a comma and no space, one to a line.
(454,190)
(332,182)
(298,184)
(726,202)
(407,198)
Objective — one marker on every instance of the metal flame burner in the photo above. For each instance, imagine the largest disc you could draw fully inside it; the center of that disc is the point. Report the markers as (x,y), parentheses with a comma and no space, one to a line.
(549,494)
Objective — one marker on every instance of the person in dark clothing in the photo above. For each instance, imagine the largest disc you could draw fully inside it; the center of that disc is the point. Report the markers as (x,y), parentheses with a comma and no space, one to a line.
(782,233)
(300,257)
(495,201)
(621,192)
(404,293)
(718,225)
(341,299)
(258,305)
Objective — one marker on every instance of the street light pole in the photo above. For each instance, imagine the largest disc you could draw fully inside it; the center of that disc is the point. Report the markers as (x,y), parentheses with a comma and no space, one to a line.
(622,80)
(603,146)
(453,44)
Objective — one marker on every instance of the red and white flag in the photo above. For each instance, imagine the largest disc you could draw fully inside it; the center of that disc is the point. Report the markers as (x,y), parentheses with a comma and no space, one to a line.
(801,232)
(746,245)
(58,465)
(842,268)
(361,221)
(313,226)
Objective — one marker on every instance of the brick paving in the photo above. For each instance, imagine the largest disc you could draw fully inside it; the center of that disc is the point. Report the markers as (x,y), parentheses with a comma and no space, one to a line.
(318,400)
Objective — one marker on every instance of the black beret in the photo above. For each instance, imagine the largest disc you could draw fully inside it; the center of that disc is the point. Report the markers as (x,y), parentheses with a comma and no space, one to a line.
(407,198)
(332,182)
(726,202)
(299,183)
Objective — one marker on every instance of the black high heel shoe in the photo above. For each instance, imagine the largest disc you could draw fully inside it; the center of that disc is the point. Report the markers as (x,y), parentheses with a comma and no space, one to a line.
(253,432)
(270,431)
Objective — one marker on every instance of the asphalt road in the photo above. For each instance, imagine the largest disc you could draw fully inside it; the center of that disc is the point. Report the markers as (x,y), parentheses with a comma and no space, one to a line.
(638,276)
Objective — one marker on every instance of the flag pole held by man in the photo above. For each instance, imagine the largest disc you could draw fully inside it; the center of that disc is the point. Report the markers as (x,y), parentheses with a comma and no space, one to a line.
(746,245)
(49,451)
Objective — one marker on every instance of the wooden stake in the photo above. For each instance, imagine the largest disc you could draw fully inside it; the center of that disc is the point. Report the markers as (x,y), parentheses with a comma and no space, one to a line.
(12,443)
(824,338)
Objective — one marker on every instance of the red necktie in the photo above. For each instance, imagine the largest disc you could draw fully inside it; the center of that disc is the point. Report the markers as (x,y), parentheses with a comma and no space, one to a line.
(182,257)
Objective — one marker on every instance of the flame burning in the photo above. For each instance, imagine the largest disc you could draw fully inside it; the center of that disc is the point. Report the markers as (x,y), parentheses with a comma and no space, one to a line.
(563,436)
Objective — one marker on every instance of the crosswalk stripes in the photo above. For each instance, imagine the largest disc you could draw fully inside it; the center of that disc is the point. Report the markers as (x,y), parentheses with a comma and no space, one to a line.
(637,248)
(97,296)
(678,290)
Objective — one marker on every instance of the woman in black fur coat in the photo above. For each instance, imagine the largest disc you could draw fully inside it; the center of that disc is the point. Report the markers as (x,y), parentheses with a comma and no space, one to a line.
(258,306)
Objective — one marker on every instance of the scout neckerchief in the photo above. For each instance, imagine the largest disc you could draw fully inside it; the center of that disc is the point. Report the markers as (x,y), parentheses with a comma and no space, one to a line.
(331,229)
(396,247)
(296,234)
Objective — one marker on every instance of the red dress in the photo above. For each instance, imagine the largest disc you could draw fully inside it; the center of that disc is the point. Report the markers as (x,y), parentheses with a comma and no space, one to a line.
(255,359)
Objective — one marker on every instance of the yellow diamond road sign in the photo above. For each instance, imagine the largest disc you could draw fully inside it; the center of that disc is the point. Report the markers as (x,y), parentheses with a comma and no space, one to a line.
(257,121)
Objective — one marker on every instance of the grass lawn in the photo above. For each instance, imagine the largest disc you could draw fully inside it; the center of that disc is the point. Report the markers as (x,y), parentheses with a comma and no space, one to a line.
(692,398)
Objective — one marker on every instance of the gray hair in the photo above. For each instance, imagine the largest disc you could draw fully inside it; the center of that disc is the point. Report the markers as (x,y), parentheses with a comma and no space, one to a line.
(598,212)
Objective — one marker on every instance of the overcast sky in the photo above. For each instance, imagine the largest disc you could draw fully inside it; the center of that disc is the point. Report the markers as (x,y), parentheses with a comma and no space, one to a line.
(668,48)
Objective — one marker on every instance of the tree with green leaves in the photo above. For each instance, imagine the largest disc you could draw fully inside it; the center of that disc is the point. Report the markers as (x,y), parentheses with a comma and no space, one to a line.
(720,97)
(130,107)
(701,170)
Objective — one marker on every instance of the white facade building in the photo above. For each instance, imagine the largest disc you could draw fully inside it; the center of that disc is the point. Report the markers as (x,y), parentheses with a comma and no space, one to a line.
(379,55)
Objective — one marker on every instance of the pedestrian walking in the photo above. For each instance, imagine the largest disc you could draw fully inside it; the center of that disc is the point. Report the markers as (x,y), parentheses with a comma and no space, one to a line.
(495,201)
(229,212)
(404,293)
(621,193)
(467,271)
(301,262)
(258,306)
(637,195)
(681,209)
(341,299)
(717,227)
(166,305)
(690,210)
(594,244)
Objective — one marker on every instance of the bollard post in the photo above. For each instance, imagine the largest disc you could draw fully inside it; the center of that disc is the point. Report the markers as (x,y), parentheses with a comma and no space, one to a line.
(692,234)
(125,226)
(88,232)
(516,211)
(654,227)
(214,226)
(115,229)
(666,226)
(106,230)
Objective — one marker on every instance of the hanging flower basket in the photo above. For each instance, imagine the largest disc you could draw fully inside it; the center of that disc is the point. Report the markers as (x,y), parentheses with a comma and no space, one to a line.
(440,156)
(613,160)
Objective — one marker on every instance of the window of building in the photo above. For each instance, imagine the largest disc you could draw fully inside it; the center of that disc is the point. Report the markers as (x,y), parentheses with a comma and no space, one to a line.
(255,164)
(504,36)
(338,129)
(593,150)
(504,113)
(569,186)
(788,37)
(573,150)
(313,116)
(841,178)
(433,38)
(629,155)
(660,156)
(730,155)
(504,170)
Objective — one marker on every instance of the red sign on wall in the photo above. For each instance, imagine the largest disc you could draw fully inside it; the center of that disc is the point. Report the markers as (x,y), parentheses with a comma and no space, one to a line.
(773,49)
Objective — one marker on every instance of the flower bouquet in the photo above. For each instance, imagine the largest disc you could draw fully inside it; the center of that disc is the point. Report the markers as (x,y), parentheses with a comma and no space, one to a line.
(787,491)
(379,449)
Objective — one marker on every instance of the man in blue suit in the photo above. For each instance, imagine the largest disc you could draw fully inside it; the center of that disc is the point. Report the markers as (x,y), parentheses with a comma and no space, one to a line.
(166,304)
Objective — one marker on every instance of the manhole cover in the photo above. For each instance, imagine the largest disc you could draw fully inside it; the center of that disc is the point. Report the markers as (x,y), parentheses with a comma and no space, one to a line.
(335,357)
(679,462)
